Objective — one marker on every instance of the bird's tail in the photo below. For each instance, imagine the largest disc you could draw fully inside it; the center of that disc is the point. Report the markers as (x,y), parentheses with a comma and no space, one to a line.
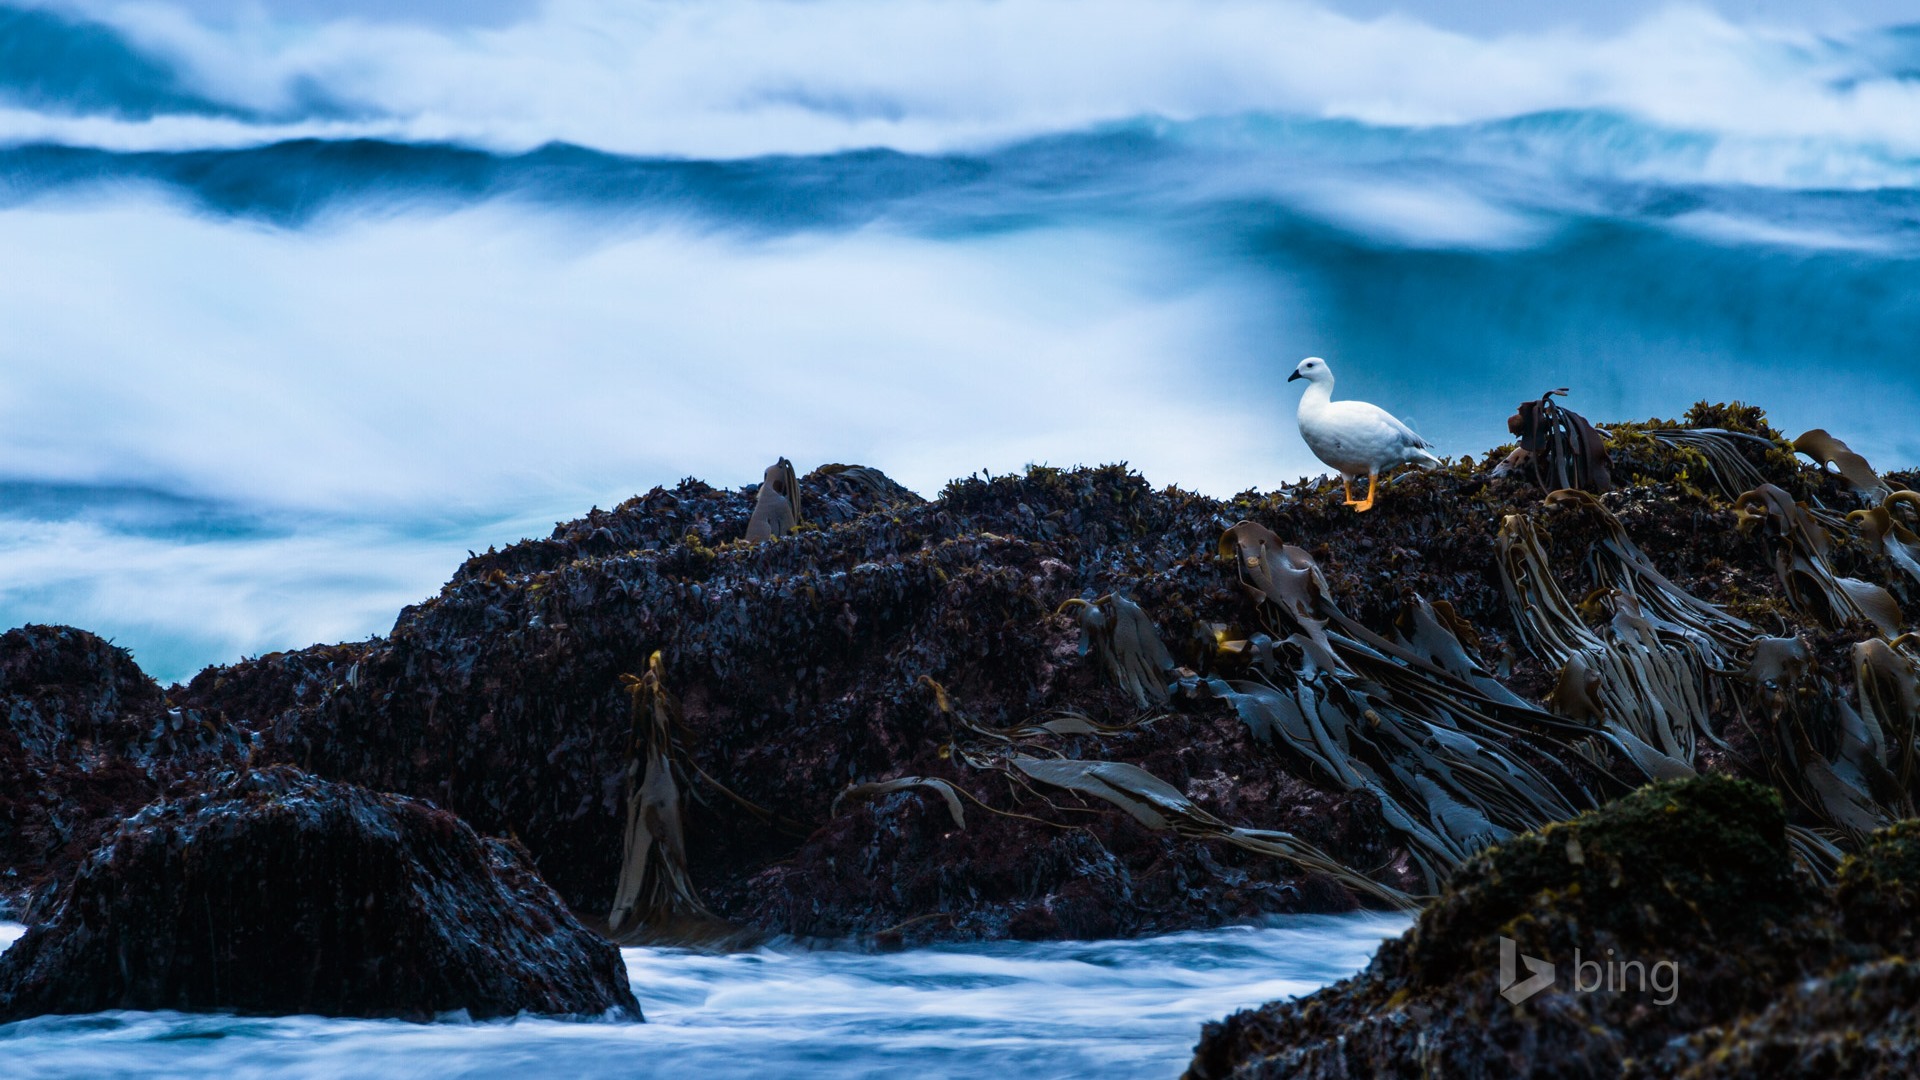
(1424,458)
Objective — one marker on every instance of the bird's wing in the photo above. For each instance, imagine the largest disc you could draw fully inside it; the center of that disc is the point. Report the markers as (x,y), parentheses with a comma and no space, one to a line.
(1379,423)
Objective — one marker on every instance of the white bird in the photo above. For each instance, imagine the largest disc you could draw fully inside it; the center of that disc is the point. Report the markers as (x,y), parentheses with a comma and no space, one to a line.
(1353,436)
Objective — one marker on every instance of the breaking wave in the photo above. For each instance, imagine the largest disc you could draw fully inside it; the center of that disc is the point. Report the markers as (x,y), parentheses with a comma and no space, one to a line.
(365,291)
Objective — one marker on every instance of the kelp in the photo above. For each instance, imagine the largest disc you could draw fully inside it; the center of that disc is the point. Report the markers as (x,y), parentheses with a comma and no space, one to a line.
(1821,752)
(1887,675)
(1418,724)
(1146,798)
(1123,638)
(1558,447)
(776,509)
(1618,563)
(1640,681)
(1799,546)
(1854,469)
(1162,807)
(1719,449)
(942,788)
(655,896)
(1882,527)
(873,485)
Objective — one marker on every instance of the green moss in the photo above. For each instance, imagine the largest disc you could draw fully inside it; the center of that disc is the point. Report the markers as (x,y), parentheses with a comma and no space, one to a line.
(1878,888)
(1675,861)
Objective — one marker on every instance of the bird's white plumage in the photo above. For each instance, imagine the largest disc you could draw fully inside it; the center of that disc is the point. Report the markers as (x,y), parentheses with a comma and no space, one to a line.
(1354,437)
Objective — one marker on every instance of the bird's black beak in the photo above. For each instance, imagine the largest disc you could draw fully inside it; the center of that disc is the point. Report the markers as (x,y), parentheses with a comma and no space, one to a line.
(1295,375)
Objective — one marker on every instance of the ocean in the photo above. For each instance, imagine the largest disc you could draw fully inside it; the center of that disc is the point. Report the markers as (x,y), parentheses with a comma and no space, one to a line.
(299,308)
(1037,1011)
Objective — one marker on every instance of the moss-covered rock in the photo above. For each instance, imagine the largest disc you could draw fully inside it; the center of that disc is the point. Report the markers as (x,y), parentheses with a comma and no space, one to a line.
(1862,1022)
(1694,874)
(1879,888)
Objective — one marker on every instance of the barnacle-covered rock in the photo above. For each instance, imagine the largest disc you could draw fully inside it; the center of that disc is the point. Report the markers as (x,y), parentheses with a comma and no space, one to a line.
(280,893)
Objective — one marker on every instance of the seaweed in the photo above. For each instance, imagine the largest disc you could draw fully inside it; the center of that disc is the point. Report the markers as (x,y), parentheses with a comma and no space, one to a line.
(1640,682)
(655,897)
(1123,637)
(1832,760)
(942,788)
(1830,451)
(1423,729)
(1800,546)
(1162,807)
(776,509)
(1719,450)
(1558,447)
(1882,527)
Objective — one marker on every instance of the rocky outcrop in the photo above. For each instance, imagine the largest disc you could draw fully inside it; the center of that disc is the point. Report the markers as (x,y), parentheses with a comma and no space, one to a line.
(280,893)
(1682,939)
(1696,873)
(86,738)
(1255,705)
(888,638)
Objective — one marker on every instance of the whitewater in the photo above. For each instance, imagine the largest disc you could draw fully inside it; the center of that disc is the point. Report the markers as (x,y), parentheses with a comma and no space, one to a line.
(1054,1009)
(302,302)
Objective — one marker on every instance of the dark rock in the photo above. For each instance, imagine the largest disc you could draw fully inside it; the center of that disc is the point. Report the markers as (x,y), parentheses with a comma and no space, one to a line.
(1860,1019)
(1694,873)
(1861,1022)
(1775,976)
(804,663)
(280,893)
(1879,888)
(821,659)
(85,739)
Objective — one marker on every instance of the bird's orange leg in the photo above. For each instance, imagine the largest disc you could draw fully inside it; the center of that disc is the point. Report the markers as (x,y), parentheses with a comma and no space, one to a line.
(1373,488)
(1346,487)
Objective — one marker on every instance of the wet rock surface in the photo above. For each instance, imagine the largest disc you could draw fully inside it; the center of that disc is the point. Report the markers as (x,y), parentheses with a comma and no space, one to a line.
(1772,974)
(279,893)
(1695,873)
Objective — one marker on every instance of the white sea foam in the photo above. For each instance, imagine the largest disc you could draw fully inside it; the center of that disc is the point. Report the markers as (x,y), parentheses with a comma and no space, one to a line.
(390,392)
(1039,1010)
(746,77)
(457,359)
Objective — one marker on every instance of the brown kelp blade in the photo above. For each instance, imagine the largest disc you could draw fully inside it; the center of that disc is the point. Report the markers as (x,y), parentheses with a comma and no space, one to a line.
(1882,525)
(1120,634)
(1850,770)
(1558,447)
(1800,553)
(1162,807)
(776,509)
(1646,694)
(655,896)
(1828,450)
(1719,448)
(1620,564)
(1418,724)
(942,788)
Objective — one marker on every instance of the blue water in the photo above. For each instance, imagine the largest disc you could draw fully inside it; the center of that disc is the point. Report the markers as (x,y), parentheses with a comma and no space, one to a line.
(1065,1009)
(303,300)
